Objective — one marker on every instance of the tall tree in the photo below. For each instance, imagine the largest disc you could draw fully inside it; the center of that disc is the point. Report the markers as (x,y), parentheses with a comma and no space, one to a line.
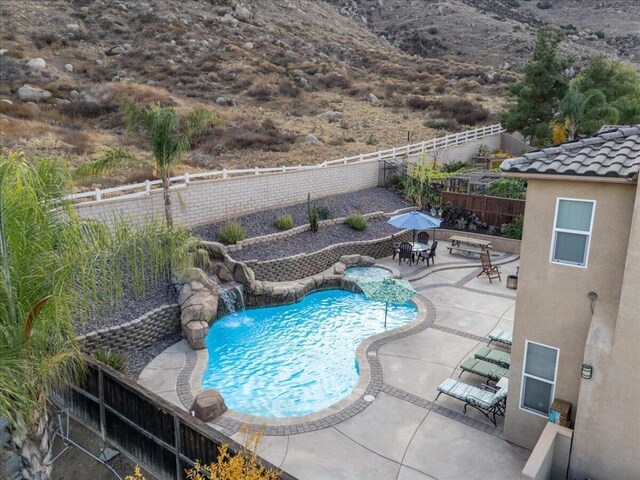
(537,96)
(585,112)
(610,91)
(55,269)
(168,135)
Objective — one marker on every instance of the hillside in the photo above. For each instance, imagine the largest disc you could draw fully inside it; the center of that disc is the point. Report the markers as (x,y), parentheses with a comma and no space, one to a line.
(501,33)
(292,82)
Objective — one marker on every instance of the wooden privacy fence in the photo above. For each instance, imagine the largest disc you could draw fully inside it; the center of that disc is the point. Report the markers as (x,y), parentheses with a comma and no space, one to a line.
(492,210)
(158,435)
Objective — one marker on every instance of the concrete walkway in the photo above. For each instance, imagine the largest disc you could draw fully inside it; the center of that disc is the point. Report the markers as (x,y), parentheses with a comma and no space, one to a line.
(404,434)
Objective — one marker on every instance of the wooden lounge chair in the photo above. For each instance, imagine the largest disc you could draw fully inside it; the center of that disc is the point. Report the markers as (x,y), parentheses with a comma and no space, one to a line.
(492,355)
(503,337)
(491,271)
(423,237)
(430,255)
(405,251)
(487,400)
(488,370)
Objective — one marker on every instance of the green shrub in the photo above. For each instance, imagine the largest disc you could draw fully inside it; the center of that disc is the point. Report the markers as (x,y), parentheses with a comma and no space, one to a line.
(454,166)
(231,232)
(544,5)
(440,124)
(508,188)
(432,30)
(396,181)
(284,222)
(513,229)
(112,358)
(323,212)
(356,222)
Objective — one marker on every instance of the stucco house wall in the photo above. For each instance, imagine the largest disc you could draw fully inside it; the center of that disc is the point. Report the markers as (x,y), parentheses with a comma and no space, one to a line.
(607,430)
(552,306)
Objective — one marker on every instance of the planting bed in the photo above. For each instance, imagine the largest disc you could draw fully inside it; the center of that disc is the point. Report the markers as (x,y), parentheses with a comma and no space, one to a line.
(132,307)
(307,242)
(262,223)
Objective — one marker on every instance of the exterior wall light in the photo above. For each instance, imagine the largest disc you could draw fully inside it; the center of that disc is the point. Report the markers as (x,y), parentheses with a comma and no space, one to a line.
(587,371)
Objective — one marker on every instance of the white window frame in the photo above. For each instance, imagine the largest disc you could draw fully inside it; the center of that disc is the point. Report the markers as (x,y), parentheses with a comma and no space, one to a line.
(567,230)
(528,375)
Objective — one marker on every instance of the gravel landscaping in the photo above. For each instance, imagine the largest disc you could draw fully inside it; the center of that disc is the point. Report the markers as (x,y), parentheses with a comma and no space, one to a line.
(362,201)
(307,242)
(132,307)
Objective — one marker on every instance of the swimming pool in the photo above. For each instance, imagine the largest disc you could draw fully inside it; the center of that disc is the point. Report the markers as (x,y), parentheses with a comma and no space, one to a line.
(294,359)
(367,273)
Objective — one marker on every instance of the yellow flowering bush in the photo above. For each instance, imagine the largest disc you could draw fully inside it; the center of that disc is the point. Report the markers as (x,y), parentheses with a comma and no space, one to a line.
(241,466)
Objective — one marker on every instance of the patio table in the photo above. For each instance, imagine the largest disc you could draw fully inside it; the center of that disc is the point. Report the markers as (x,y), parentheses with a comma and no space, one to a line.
(419,247)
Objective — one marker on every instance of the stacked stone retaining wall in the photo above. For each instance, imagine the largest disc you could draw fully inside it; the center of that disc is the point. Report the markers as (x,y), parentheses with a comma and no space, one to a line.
(136,334)
(309,264)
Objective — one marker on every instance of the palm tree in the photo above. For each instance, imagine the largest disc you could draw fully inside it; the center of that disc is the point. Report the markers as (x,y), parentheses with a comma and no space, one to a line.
(168,135)
(585,112)
(55,269)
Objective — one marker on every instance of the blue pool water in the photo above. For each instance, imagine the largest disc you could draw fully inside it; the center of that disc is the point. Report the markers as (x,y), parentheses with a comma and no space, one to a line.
(294,359)
(367,273)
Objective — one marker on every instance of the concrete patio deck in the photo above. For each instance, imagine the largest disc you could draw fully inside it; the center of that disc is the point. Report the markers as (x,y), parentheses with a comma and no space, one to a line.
(404,434)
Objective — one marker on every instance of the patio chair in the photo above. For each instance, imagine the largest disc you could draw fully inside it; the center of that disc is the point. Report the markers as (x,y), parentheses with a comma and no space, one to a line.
(487,400)
(503,337)
(396,246)
(492,355)
(488,370)
(429,255)
(405,251)
(491,271)
(423,237)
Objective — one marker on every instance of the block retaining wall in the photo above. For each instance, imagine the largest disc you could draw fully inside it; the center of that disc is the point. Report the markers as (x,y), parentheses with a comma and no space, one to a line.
(309,264)
(136,334)
(303,228)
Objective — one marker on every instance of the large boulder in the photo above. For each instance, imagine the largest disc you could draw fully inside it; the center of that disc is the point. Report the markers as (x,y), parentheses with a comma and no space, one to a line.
(36,64)
(242,13)
(311,138)
(28,93)
(198,300)
(215,249)
(222,272)
(228,19)
(196,333)
(199,306)
(245,276)
(351,260)
(208,405)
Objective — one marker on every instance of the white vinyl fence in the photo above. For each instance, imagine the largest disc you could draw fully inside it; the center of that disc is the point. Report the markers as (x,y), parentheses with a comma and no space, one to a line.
(429,146)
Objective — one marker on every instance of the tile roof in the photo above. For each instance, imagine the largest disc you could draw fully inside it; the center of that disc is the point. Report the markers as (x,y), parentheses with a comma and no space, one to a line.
(611,153)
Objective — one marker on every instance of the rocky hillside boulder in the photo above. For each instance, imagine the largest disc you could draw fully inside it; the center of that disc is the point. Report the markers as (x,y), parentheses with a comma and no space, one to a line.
(28,93)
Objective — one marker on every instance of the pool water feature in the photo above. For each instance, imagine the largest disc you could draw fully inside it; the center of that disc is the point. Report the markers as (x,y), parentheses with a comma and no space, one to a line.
(367,273)
(295,359)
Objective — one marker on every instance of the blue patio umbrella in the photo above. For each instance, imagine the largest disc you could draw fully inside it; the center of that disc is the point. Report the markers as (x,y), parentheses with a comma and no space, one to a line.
(415,220)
